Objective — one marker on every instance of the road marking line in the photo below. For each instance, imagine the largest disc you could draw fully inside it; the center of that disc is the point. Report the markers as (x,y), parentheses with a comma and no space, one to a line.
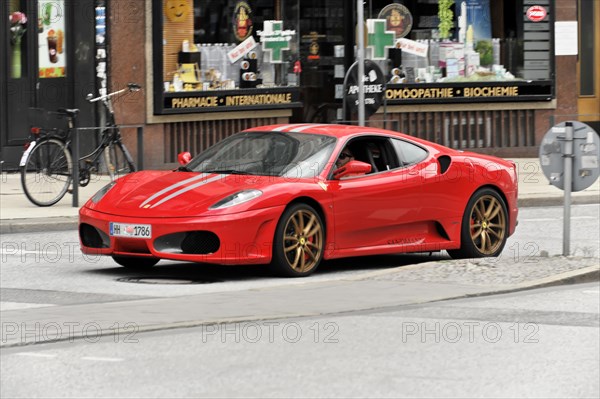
(36,354)
(5,305)
(102,359)
(26,251)
(556,219)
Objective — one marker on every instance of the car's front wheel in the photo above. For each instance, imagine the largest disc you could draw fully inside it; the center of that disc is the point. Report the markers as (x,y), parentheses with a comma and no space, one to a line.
(484,226)
(135,262)
(299,242)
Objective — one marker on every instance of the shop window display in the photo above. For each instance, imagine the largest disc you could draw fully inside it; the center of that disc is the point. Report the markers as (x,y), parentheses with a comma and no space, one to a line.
(228,45)
(227,55)
(239,53)
(469,49)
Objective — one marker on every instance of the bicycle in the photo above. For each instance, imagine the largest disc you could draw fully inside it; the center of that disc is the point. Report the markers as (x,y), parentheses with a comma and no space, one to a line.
(47,165)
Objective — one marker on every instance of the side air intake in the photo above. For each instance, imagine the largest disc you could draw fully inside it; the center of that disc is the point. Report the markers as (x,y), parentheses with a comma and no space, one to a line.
(444,162)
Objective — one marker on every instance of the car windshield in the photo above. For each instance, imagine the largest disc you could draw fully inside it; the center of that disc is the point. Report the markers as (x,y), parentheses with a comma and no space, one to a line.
(294,155)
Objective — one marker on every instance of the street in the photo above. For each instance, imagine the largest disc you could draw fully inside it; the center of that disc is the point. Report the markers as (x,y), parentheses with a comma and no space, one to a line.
(361,327)
(41,268)
(542,343)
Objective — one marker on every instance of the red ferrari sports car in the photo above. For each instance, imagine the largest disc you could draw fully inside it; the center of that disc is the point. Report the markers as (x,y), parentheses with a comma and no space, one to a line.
(289,196)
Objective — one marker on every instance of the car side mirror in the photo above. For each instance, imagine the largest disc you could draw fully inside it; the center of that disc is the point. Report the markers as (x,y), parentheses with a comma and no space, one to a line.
(184,158)
(352,168)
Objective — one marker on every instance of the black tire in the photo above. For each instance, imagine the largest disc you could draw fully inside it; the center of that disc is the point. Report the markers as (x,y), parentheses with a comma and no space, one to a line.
(484,229)
(47,172)
(135,262)
(299,242)
(118,160)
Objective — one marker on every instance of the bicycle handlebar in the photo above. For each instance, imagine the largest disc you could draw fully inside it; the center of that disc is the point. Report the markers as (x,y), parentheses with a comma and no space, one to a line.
(130,87)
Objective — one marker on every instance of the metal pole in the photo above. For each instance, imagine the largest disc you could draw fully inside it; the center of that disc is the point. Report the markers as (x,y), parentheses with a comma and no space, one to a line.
(140,147)
(361,61)
(568,156)
(75,153)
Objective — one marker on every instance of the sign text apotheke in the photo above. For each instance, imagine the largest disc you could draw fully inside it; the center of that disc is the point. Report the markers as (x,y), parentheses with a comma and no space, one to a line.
(373,84)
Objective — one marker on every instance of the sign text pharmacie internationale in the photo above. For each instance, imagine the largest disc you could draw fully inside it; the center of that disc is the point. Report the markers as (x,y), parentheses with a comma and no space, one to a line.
(450,92)
(231,100)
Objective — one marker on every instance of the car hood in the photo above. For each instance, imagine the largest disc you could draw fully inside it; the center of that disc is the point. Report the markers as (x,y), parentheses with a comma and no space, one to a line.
(171,194)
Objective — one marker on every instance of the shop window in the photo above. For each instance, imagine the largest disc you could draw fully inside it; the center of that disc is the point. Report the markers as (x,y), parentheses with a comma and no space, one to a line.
(471,50)
(226,55)
(588,46)
(52,45)
(18,23)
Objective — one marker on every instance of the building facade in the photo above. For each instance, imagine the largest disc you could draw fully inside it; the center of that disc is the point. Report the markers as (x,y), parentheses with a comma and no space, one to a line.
(483,75)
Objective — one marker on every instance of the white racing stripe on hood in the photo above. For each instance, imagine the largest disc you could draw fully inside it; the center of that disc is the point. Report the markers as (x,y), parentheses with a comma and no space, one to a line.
(172,187)
(186,189)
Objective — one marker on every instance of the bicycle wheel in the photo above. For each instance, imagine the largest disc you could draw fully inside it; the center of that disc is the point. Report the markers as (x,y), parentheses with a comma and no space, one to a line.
(118,161)
(47,172)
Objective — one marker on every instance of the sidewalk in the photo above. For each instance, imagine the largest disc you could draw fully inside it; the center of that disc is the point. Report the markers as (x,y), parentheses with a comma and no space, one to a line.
(17,214)
(382,289)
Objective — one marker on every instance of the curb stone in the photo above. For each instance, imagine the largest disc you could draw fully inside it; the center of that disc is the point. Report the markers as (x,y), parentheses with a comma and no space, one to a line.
(38,225)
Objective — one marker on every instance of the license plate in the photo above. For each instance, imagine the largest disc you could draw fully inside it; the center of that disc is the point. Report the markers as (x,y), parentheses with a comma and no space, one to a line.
(130,230)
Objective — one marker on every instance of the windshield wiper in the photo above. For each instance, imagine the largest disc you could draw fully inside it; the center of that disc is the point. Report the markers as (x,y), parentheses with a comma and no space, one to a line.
(229,172)
(184,169)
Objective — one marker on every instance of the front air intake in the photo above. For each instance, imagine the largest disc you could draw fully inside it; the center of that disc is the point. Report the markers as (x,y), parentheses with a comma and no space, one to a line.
(91,237)
(200,243)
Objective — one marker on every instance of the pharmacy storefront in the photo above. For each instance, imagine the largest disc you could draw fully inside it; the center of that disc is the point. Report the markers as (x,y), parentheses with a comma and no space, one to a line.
(450,72)
(475,81)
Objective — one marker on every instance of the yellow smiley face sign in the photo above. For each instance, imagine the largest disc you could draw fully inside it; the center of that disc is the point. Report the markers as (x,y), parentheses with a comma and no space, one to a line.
(177,10)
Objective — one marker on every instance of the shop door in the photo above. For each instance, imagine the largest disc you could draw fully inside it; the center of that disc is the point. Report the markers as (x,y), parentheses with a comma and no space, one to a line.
(41,64)
(324,31)
(18,77)
(589,62)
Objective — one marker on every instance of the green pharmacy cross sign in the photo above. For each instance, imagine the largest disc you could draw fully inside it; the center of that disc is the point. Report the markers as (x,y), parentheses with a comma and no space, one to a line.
(274,40)
(379,38)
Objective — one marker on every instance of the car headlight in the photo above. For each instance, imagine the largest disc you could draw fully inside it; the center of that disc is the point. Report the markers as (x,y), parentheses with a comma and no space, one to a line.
(102,192)
(235,199)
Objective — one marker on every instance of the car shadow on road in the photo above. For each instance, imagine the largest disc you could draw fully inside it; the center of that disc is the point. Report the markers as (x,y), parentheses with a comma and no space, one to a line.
(204,273)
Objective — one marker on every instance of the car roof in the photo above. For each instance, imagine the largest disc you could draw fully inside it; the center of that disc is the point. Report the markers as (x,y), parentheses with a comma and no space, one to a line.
(339,131)
(325,129)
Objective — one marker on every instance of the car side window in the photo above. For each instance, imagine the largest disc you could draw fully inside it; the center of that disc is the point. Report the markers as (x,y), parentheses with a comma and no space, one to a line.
(408,153)
(374,150)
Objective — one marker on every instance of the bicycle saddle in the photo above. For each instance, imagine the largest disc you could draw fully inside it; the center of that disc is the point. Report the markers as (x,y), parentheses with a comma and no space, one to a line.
(69,111)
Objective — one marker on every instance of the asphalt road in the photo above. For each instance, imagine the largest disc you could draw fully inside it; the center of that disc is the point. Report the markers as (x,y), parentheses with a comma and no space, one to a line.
(543,343)
(47,268)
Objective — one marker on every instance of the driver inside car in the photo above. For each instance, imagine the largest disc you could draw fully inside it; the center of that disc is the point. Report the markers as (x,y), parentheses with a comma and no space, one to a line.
(345,156)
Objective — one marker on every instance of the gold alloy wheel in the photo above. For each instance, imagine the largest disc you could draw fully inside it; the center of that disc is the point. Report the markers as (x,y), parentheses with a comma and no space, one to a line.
(303,241)
(488,224)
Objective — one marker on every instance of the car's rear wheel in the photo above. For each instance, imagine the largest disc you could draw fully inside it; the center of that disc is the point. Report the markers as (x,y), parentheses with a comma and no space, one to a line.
(299,242)
(484,228)
(135,262)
